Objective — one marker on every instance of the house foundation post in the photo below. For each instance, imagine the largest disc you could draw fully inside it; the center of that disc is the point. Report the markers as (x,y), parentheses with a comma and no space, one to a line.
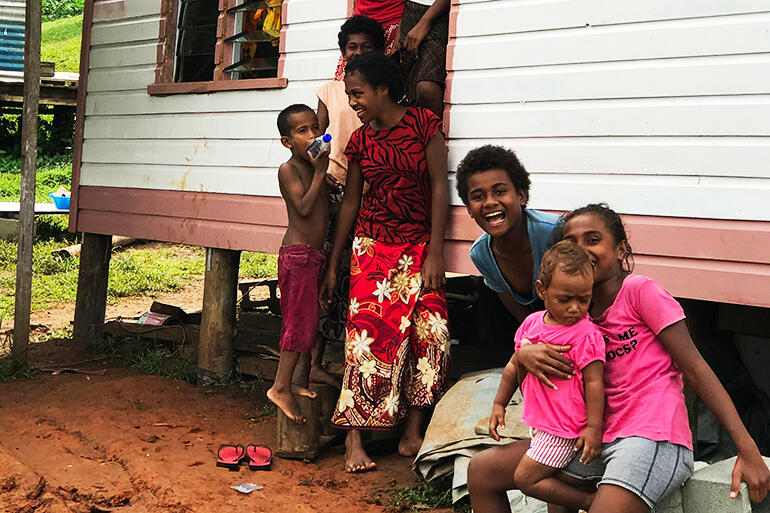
(91,299)
(215,348)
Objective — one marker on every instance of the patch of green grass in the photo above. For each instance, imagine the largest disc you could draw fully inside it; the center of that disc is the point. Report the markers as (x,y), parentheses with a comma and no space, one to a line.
(258,265)
(419,497)
(146,357)
(133,272)
(61,43)
(12,368)
(52,173)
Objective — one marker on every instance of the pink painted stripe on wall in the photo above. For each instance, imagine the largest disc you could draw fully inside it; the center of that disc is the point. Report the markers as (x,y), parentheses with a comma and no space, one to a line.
(693,258)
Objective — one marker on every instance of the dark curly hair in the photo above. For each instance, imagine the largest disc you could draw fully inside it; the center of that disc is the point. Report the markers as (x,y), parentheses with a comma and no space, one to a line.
(379,70)
(612,221)
(489,157)
(566,256)
(360,24)
(284,125)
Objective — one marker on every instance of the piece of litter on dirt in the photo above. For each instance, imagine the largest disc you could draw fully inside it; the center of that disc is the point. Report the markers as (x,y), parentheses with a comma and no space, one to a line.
(246,487)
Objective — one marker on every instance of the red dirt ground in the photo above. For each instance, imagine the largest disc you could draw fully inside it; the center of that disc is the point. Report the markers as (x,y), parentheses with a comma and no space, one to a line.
(124,442)
(130,443)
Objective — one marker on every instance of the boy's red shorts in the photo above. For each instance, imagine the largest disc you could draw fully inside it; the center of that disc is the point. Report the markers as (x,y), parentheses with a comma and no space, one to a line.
(299,272)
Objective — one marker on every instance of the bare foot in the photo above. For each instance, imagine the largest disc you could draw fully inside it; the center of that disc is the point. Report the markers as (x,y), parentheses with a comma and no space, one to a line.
(320,375)
(298,390)
(285,401)
(409,446)
(356,459)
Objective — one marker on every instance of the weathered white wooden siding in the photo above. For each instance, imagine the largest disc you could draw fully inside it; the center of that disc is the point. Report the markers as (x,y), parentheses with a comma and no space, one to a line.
(659,107)
(224,141)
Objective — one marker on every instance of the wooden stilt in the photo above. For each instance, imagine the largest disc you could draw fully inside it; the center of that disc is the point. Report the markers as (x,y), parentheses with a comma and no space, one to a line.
(215,348)
(91,299)
(23,296)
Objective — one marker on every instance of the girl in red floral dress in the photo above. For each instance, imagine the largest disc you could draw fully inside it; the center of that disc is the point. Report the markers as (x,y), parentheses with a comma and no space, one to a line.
(397,340)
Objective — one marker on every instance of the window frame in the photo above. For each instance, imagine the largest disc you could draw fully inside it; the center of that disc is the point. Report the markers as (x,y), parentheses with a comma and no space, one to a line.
(223,55)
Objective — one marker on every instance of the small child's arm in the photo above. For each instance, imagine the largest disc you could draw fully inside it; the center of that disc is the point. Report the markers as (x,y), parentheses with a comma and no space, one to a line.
(508,386)
(294,192)
(591,439)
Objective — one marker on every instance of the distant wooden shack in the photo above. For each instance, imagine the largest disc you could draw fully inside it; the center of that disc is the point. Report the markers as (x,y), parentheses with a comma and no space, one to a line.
(657,108)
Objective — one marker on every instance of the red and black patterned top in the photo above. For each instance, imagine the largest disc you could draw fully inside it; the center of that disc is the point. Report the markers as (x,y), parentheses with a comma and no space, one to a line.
(397,206)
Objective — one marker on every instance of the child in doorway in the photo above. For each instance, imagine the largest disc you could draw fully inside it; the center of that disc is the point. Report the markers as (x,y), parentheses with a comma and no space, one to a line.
(568,417)
(495,189)
(397,345)
(385,12)
(424,34)
(302,180)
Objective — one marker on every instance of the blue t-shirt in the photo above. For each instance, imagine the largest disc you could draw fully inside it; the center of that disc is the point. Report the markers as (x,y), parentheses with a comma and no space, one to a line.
(539,227)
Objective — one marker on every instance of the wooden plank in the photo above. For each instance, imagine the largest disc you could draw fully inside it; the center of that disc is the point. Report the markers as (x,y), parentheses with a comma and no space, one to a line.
(311,37)
(311,65)
(512,16)
(667,39)
(699,76)
(245,237)
(126,31)
(215,347)
(690,156)
(120,79)
(699,116)
(109,10)
(308,11)
(91,299)
(216,125)
(126,55)
(139,102)
(226,208)
(675,196)
(187,152)
(226,180)
(26,239)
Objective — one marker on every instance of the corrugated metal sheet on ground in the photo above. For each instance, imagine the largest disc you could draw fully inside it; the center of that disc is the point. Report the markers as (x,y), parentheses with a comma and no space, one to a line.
(452,439)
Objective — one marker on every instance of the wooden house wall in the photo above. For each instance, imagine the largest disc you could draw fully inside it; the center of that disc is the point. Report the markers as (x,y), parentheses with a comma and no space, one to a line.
(659,108)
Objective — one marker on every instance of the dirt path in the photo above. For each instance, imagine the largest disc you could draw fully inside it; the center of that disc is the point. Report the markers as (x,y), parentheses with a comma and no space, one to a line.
(128,443)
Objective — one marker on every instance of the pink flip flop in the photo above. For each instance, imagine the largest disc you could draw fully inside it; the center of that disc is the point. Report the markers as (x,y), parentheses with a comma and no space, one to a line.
(230,456)
(259,457)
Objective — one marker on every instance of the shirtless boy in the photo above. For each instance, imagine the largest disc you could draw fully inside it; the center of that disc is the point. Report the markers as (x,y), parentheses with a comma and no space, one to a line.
(302,180)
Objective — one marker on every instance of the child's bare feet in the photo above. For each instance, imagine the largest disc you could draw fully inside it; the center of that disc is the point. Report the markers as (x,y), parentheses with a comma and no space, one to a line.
(320,375)
(285,401)
(409,445)
(356,459)
(298,390)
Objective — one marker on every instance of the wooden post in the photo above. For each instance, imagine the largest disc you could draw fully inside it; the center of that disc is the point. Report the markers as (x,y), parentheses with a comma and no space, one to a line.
(23,302)
(215,348)
(91,299)
(300,441)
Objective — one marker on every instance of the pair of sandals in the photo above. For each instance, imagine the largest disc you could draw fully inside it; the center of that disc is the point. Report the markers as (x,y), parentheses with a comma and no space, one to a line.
(259,457)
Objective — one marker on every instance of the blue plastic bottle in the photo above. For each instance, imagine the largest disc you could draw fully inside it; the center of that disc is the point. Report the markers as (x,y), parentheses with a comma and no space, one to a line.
(320,144)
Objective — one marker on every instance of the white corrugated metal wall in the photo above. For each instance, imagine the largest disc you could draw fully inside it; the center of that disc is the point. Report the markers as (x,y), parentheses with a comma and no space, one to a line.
(11,35)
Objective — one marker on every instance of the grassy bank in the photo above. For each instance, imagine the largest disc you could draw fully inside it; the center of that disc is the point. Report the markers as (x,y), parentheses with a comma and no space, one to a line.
(61,43)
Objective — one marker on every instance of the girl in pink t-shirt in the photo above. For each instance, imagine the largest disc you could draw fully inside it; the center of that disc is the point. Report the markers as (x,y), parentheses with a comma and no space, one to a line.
(647,449)
(569,417)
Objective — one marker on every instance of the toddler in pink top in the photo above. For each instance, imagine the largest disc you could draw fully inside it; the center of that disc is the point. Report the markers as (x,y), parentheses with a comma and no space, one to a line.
(567,417)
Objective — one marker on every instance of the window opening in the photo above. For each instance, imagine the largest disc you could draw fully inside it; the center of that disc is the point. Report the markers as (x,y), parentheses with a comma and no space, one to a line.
(196,40)
(255,43)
